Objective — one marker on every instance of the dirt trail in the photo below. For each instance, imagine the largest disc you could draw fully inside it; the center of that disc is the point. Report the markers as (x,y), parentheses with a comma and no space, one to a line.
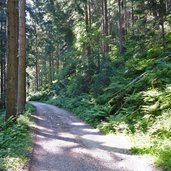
(63,142)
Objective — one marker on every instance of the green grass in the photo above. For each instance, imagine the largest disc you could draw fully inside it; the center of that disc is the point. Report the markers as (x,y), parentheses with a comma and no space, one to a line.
(15,141)
(160,150)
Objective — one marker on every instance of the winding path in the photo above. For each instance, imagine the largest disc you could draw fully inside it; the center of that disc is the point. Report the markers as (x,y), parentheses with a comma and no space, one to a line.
(63,142)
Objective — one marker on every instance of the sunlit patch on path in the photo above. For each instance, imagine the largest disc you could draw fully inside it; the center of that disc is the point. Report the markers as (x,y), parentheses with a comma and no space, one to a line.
(63,142)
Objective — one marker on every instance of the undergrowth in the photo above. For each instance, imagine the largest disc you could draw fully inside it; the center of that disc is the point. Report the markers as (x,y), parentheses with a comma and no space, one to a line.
(15,141)
(132,97)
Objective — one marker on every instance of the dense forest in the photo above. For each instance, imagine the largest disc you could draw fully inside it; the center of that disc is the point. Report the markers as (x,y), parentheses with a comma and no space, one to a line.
(107,61)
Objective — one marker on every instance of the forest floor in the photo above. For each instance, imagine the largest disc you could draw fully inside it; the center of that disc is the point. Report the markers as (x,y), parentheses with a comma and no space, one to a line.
(62,142)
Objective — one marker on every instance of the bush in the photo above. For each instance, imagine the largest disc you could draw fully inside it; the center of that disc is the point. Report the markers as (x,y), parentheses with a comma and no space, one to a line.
(128,94)
(15,141)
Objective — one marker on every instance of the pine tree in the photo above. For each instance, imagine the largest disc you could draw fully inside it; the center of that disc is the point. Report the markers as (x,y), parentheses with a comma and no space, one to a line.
(21,98)
(12,59)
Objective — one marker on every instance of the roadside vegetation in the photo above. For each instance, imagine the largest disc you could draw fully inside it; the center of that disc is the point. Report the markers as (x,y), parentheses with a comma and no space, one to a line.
(130,95)
(107,61)
(15,141)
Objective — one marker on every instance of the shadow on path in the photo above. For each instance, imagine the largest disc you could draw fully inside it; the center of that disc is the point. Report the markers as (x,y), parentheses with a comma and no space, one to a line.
(63,142)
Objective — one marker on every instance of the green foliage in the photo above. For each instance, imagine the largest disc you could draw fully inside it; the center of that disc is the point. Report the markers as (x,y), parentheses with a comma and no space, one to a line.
(131,96)
(15,141)
(164,157)
(89,111)
(128,93)
(140,64)
(148,113)
(41,95)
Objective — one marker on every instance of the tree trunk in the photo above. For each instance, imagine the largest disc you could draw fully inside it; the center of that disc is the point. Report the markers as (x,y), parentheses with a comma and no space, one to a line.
(2,56)
(132,13)
(22,59)
(58,59)
(120,30)
(37,75)
(53,68)
(125,19)
(50,68)
(12,61)
(162,12)
(37,72)
(89,14)
(102,24)
(106,27)
(4,63)
(88,48)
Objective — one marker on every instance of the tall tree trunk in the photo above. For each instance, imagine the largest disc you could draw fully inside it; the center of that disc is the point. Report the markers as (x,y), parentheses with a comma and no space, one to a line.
(22,59)
(125,19)
(58,59)
(36,88)
(102,24)
(2,71)
(89,14)
(37,72)
(120,30)
(86,16)
(4,63)
(88,48)
(106,26)
(163,35)
(132,14)
(12,61)
(162,12)
(50,68)
(53,68)
(2,56)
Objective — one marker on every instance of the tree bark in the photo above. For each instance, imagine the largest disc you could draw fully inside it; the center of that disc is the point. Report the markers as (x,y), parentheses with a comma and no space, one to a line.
(22,59)
(12,61)
(37,72)
(37,75)
(162,20)
(89,14)
(3,63)
(120,30)
(132,14)
(87,25)
(53,68)
(106,26)
(50,68)
(2,66)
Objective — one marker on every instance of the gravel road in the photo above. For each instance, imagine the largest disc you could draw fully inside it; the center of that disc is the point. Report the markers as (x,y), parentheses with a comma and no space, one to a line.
(62,142)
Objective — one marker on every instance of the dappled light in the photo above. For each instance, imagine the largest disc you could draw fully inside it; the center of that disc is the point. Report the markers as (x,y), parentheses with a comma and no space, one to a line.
(108,62)
(69,144)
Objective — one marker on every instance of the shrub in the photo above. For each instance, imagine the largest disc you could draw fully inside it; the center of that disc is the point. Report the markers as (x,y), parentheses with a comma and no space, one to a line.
(15,141)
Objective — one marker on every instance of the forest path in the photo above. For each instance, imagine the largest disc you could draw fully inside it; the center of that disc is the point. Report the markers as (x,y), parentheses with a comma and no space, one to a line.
(62,142)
